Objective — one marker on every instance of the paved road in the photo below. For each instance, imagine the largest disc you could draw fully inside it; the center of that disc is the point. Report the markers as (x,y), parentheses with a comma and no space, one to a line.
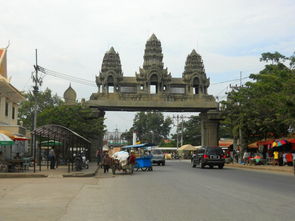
(173,192)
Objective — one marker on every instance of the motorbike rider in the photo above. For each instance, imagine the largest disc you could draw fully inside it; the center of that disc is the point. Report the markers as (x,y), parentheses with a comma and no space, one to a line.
(132,158)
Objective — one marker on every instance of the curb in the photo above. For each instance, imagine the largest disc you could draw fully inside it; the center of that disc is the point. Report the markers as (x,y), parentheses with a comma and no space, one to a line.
(81,174)
(260,168)
(21,175)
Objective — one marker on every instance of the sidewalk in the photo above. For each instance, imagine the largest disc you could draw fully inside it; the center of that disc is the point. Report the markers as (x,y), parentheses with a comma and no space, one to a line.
(270,168)
(61,171)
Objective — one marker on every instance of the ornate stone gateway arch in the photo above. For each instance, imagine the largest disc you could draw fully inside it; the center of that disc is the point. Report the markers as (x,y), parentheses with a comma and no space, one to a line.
(153,88)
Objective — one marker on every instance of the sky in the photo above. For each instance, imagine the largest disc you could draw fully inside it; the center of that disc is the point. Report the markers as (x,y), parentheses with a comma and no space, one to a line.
(72,37)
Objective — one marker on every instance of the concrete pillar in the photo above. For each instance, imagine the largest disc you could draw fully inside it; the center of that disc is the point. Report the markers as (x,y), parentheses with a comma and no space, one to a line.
(134,138)
(209,128)
(2,109)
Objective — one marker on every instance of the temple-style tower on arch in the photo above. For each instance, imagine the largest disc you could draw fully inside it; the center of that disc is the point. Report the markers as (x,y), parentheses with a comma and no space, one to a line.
(111,72)
(154,88)
(153,71)
(194,74)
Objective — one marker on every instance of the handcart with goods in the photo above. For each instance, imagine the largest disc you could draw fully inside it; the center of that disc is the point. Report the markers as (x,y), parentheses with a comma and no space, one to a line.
(144,163)
(143,159)
(120,162)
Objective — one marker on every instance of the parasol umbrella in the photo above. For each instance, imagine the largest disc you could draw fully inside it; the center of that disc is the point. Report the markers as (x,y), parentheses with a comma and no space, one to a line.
(5,140)
(51,143)
(274,144)
(283,142)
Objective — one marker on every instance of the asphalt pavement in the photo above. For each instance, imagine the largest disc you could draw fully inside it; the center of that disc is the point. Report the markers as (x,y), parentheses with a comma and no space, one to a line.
(173,192)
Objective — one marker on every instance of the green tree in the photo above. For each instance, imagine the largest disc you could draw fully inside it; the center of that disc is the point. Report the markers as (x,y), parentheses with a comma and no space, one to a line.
(263,107)
(128,135)
(192,131)
(275,57)
(292,61)
(151,127)
(75,117)
(45,100)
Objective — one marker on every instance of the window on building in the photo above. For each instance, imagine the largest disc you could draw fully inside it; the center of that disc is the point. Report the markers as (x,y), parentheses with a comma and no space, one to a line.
(6,109)
(13,112)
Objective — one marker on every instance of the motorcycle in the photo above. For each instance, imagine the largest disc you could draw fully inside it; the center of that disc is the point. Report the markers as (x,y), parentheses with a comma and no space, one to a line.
(85,162)
(81,162)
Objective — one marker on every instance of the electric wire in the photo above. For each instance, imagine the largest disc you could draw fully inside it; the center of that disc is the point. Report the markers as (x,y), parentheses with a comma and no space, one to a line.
(230,81)
(66,76)
(91,83)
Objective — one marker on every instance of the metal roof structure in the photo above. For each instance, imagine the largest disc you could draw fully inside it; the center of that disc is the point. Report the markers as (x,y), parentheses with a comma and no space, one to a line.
(71,143)
(59,133)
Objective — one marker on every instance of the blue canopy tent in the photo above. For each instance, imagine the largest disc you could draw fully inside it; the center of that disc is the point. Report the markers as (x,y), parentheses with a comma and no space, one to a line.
(144,145)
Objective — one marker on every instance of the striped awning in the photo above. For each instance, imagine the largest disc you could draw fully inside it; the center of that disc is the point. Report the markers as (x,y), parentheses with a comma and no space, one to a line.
(13,136)
(5,140)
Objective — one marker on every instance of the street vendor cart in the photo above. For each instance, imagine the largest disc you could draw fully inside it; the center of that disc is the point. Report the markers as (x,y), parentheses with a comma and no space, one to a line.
(143,159)
(120,162)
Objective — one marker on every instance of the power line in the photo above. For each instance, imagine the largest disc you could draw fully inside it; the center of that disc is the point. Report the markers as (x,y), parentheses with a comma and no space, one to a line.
(66,76)
(92,84)
(239,79)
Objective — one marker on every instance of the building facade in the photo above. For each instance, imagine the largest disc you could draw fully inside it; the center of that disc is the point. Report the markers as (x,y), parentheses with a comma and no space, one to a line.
(10,98)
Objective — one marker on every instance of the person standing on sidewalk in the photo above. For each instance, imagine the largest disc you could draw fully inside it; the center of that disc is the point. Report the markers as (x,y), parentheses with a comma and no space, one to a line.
(276,157)
(246,157)
(51,156)
(107,162)
(98,156)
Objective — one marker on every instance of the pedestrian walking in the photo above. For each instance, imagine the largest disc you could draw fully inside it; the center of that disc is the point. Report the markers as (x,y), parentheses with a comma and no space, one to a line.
(98,156)
(107,162)
(51,157)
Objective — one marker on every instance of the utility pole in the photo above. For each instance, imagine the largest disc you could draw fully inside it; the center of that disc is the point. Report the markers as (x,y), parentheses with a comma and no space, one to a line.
(240,79)
(181,139)
(178,118)
(177,134)
(240,135)
(37,80)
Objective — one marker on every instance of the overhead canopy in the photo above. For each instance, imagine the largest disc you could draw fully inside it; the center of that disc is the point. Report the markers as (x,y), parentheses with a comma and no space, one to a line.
(69,141)
(13,136)
(265,142)
(225,142)
(144,145)
(59,133)
(188,147)
(5,140)
(253,145)
(51,143)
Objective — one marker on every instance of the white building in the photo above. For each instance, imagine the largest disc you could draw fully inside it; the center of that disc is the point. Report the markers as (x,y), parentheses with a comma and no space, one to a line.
(10,98)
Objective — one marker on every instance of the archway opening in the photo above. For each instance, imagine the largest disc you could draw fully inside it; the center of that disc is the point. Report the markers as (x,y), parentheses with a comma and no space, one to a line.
(110,84)
(154,84)
(196,86)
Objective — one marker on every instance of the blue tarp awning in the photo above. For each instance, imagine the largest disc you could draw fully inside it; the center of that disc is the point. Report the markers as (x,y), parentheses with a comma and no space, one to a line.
(144,145)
